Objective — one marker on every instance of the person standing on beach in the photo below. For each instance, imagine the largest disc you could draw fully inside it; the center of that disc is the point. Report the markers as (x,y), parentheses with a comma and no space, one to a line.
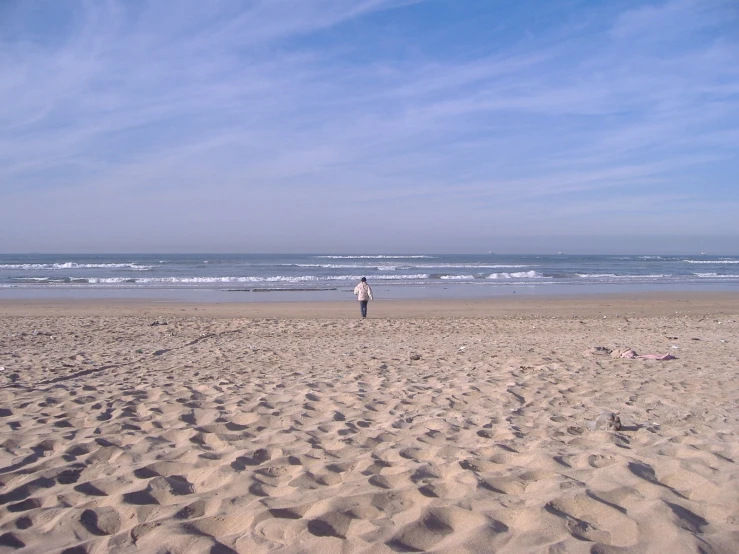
(364,294)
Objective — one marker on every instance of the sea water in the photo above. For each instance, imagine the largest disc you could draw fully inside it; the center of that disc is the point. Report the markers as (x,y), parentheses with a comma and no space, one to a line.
(318,276)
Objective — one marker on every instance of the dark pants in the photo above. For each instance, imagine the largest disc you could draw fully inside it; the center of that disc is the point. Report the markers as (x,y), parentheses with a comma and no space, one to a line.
(363,307)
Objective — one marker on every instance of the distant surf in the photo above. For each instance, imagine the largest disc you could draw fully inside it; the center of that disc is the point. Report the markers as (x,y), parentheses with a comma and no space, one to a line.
(284,272)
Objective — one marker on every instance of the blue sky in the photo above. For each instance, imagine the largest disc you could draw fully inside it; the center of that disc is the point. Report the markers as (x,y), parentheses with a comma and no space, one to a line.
(369,126)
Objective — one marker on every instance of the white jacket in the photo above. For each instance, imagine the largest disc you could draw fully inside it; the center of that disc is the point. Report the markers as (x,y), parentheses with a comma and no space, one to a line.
(363,292)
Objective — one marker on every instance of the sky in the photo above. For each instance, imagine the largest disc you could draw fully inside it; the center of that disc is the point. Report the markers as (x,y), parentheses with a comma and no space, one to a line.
(369,126)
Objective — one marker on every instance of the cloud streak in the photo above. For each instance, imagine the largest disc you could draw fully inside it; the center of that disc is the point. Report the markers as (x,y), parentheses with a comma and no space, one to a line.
(304,113)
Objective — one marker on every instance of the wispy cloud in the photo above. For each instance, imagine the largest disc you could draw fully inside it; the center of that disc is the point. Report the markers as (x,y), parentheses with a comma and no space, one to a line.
(302,112)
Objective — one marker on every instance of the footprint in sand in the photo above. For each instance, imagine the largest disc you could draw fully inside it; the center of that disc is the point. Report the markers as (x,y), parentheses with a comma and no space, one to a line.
(101,521)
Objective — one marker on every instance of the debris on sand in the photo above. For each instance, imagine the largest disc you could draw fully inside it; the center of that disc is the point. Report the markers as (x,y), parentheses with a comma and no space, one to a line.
(607,421)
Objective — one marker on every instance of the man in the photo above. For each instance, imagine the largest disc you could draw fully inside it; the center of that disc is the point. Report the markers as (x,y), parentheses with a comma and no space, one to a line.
(364,295)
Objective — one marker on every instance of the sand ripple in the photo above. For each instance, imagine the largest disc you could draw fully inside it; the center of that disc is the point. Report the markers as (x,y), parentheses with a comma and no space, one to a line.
(459,435)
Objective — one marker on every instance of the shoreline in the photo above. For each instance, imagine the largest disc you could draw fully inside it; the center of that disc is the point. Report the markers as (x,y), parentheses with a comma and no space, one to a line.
(615,304)
(340,293)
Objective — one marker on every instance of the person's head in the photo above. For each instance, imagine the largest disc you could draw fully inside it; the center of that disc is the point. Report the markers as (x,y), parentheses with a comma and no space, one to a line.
(364,279)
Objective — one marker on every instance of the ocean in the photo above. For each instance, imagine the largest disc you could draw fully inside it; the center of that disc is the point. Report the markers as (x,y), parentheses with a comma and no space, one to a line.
(248,277)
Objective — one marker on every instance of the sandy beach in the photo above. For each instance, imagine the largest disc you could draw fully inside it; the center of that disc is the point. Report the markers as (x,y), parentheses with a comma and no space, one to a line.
(433,426)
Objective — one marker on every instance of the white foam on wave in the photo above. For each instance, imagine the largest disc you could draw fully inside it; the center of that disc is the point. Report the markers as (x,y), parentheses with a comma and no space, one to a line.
(331,266)
(390,267)
(377,257)
(516,275)
(250,279)
(711,262)
(74,265)
(595,275)
(612,276)
(473,266)
(398,277)
(714,276)
(347,266)
(457,277)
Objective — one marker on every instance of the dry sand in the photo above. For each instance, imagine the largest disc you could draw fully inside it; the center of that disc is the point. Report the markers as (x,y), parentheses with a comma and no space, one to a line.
(430,427)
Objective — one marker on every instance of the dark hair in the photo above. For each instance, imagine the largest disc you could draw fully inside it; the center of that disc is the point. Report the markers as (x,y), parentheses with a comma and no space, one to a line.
(364,279)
